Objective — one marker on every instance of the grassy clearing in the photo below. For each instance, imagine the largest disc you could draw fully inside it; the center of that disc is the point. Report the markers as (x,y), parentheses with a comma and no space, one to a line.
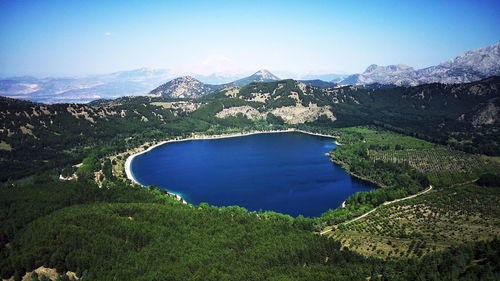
(5,146)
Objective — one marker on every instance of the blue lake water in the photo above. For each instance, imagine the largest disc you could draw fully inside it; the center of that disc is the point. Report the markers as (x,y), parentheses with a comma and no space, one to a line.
(283,172)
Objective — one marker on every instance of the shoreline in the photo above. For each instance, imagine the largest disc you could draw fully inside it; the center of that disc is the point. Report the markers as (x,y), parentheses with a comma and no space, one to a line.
(347,168)
(319,135)
(128,161)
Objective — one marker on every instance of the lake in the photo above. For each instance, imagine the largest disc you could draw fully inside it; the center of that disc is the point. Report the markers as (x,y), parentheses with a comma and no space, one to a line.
(283,172)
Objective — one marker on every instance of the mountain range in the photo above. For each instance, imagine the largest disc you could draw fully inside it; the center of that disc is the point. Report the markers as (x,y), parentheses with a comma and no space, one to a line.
(469,66)
(110,86)
(84,89)
(189,87)
(464,116)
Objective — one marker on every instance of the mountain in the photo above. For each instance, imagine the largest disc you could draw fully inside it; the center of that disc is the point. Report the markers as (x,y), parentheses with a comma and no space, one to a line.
(86,88)
(470,66)
(259,76)
(118,84)
(391,74)
(183,87)
(189,87)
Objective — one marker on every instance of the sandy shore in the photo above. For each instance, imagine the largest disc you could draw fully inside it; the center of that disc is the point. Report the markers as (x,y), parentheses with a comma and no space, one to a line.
(128,162)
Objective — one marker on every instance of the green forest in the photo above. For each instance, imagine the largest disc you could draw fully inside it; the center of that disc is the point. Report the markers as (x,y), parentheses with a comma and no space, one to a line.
(123,232)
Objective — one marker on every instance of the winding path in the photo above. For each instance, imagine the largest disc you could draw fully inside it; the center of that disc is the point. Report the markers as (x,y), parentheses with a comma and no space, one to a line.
(373,210)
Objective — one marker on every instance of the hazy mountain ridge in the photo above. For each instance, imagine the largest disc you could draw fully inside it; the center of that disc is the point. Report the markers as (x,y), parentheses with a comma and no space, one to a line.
(84,89)
(469,66)
(110,86)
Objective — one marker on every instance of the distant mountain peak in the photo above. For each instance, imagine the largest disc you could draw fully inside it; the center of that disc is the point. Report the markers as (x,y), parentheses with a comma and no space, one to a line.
(469,66)
(263,75)
(183,87)
(264,72)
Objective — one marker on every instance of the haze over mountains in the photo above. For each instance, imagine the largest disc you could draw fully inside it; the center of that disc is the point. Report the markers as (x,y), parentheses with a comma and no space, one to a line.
(470,66)
(84,89)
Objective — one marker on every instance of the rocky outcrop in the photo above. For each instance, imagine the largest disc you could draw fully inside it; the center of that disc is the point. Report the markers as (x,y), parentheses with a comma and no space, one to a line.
(297,114)
(300,114)
(487,116)
(246,110)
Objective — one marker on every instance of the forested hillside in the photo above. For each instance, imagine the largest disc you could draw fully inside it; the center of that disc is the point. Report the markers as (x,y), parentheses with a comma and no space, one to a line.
(36,137)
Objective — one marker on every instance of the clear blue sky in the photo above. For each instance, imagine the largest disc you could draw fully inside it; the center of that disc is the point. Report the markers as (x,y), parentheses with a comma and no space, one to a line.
(85,37)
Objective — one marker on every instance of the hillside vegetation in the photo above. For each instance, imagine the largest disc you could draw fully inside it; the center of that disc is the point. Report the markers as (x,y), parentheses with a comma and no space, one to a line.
(37,137)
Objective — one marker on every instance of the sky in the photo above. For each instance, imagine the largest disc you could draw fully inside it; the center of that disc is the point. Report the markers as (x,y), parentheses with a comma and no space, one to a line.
(67,38)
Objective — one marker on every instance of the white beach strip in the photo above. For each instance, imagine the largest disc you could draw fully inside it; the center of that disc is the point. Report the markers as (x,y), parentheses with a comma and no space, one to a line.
(128,162)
